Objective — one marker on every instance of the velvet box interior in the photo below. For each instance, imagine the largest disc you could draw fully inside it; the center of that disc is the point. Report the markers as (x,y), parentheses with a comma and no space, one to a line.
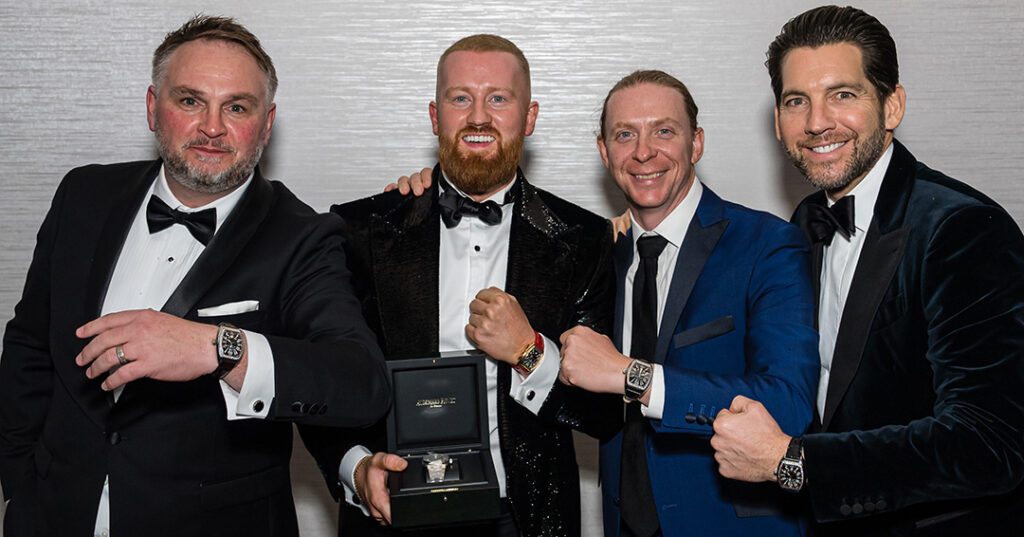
(441,408)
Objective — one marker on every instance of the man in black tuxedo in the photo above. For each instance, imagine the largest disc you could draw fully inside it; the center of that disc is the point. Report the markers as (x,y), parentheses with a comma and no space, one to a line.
(920,311)
(115,417)
(485,247)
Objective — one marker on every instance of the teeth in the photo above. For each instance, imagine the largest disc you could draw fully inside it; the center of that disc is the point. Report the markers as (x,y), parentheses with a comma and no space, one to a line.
(648,175)
(478,138)
(828,148)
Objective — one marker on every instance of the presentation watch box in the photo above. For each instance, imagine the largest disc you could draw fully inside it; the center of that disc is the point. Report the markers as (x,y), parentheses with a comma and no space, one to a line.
(438,424)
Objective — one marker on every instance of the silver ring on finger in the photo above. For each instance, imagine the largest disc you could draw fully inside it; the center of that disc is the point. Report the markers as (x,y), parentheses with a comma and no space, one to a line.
(119,351)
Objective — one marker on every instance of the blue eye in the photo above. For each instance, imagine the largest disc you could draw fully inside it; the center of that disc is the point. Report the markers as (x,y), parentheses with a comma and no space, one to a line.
(460,99)
(624,135)
(188,101)
(236,108)
(499,99)
(795,101)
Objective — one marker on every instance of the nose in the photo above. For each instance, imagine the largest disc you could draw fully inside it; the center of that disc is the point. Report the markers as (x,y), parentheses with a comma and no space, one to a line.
(212,124)
(819,119)
(479,115)
(644,150)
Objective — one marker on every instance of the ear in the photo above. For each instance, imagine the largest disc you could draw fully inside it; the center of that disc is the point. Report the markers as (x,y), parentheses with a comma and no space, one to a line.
(698,146)
(151,108)
(531,117)
(778,132)
(271,114)
(433,116)
(895,105)
(604,152)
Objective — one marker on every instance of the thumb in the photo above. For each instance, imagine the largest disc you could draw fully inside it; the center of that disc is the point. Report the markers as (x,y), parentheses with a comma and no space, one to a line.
(740,403)
(395,463)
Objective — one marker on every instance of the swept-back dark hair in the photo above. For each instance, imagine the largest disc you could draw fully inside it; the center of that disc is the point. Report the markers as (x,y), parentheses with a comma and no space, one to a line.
(829,25)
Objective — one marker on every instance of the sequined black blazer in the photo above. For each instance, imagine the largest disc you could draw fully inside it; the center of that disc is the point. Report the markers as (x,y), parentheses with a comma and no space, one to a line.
(559,269)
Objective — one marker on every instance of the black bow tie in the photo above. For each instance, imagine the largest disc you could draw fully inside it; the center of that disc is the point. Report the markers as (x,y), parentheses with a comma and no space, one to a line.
(200,224)
(823,222)
(454,206)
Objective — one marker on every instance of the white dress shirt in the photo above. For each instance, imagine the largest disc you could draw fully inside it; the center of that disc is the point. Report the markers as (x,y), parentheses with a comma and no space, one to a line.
(147,272)
(839,261)
(673,228)
(474,256)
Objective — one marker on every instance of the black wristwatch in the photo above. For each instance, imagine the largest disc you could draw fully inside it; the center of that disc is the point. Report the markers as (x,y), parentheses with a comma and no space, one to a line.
(790,472)
(638,379)
(230,345)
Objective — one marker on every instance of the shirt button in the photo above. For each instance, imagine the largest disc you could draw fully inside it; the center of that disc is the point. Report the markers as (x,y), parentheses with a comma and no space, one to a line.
(114,438)
(477,247)
(257,406)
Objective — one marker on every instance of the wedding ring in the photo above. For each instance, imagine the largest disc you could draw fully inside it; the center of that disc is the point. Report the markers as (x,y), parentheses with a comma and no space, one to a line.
(120,355)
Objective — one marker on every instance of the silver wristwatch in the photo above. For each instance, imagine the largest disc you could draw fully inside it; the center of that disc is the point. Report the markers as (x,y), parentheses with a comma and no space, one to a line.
(230,345)
(638,379)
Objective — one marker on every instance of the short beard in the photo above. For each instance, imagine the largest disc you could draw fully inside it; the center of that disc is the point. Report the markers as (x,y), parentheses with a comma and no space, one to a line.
(834,180)
(183,173)
(478,176)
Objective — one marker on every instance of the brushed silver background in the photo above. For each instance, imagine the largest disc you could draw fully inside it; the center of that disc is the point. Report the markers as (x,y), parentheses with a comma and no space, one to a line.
(356,78)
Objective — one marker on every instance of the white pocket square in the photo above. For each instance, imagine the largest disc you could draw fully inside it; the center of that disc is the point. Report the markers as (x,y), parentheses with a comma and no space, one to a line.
(231,308)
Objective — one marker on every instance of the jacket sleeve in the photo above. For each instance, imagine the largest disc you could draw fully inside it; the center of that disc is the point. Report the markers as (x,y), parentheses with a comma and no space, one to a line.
(972,302)
(26,369)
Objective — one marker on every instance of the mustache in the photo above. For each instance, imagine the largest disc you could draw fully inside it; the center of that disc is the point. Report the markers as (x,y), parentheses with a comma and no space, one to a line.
(208,142)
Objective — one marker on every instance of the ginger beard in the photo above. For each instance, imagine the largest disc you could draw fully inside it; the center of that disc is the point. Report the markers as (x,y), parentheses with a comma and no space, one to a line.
(835,176)
(476,175)
(177,168)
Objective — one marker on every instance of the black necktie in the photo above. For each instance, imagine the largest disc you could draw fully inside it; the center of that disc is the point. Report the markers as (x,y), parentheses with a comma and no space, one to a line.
(200,224)
(639,514)
(823,222)
(454,206)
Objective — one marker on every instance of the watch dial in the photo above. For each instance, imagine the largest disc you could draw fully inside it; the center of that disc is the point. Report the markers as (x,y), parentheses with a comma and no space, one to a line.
(232,344)
(791,475)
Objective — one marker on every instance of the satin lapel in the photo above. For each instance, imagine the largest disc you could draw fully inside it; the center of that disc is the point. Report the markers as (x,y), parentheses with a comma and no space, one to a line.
(817,257)
(97,403)
(697,247)
(404,247)
(883,250)
(227,244)
(623,257)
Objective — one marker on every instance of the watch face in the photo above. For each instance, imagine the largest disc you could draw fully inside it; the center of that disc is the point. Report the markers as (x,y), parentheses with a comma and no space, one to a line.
(529,360)
(791,475)
(639,375)
(231,344)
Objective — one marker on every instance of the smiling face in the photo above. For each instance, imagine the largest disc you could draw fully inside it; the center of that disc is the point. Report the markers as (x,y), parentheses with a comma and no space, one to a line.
(481,116)
(830,119)
(211,118)
(650,149)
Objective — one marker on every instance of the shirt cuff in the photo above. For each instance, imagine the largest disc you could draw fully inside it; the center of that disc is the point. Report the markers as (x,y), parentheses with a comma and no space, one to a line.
(258,387)
(532,391)
(347,475)
(655,407)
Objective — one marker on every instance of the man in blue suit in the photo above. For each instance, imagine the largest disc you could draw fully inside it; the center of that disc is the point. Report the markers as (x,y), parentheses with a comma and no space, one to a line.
(730,312)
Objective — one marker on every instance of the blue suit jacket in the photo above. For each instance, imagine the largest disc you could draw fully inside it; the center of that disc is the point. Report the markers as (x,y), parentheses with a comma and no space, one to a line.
(738,321)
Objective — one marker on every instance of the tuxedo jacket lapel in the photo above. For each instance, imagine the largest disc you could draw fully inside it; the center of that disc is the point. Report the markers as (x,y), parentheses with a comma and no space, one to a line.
(706,227)
(404,247)
(97,403)
(227,243)
(880,256)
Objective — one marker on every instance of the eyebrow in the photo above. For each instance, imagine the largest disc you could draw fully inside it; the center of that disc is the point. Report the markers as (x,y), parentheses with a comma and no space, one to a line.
(187,91)
(466,89)
(659,121)
(856,86)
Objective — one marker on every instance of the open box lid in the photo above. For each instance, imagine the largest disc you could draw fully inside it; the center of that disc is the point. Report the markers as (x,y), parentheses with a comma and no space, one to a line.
(440,403)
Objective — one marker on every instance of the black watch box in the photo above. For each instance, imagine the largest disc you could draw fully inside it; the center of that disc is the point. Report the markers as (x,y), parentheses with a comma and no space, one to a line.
(440,407)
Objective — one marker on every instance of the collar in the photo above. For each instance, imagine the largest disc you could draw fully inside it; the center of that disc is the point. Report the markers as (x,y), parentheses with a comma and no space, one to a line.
(674,226)
(866,192)
(224,205)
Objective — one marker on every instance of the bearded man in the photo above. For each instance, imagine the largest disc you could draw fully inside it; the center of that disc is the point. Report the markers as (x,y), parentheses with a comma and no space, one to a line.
(483,260)
(118,418)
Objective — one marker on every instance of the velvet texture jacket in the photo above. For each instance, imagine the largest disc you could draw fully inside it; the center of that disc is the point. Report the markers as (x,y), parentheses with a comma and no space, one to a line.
(921,433)
(392,244)
(176,466)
